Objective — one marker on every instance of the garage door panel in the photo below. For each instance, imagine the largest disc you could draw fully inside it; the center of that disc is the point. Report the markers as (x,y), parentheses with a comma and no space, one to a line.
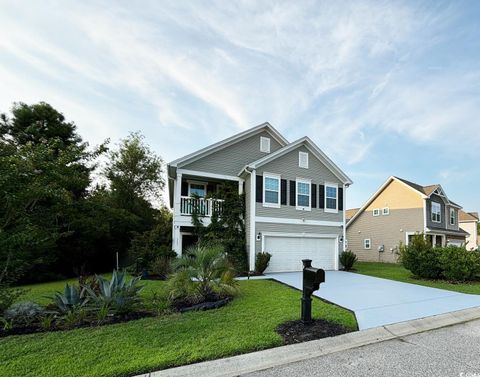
(288,252)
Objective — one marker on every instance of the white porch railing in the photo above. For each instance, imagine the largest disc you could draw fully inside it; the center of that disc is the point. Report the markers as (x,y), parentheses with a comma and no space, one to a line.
(204,207)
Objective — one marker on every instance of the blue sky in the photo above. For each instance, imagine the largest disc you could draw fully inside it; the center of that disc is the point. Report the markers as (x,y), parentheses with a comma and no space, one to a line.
(384,88)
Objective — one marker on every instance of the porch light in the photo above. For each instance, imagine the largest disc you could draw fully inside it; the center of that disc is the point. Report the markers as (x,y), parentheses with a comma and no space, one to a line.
(259,236)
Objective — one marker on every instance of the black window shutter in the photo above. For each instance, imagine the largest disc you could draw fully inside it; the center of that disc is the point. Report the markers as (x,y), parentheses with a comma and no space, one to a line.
(321,197)
(314,195)
(283,192)
(292,193)
(184,188)
(259,189)
(340,199)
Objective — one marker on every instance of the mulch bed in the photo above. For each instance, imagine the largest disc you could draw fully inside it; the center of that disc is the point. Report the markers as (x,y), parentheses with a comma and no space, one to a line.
(297,332)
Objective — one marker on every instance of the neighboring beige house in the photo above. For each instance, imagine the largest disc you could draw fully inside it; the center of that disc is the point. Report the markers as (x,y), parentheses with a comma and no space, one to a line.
(397,211)
(468,222)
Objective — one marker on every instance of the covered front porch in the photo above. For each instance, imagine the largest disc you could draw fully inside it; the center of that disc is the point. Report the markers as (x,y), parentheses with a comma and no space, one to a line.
(446,237)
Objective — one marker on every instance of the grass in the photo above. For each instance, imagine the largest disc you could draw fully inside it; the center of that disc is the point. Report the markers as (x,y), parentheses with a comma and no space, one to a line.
(246,324)
(398,272)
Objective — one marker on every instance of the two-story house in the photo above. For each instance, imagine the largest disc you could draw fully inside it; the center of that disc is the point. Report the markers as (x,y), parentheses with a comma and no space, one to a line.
(398,210)
(295,196)
(469,223)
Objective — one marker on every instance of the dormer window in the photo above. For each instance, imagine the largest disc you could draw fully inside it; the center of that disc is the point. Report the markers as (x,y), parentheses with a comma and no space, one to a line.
(303,160)
(264,144)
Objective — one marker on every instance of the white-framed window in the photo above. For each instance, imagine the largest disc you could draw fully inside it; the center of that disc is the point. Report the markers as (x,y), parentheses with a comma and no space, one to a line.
(304,194)
(264,144)
(376,212)
(386,211)
(436,212)
(331,198)
(271,190)
(453,218)
(303,160)
(197,189)
(367,243)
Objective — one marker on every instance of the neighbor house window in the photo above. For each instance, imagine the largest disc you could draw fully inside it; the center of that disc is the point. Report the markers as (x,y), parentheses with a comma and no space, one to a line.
(303,194)
(367,243)
(386,211)
(452,216)
(303,160)
(436,212)
(331,198)
(264,144)
(197,189)
(376,212)
(271,190)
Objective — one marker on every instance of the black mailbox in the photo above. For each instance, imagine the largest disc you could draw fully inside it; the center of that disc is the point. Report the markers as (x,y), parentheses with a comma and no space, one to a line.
(312,278)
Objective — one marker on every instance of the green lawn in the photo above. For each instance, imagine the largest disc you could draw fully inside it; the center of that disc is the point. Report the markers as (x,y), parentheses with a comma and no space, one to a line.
(246,324)
(398,272)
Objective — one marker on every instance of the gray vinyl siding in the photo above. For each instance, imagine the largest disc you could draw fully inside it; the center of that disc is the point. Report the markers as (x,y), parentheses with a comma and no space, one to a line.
(455,226)
(230,160)
(430,223)
(287,167)
(289,228)
(388,231)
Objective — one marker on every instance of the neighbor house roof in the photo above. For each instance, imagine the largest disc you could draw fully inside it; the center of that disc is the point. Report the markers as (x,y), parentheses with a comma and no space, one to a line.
(467,216)
(349,213)
(312,147)
(424,191)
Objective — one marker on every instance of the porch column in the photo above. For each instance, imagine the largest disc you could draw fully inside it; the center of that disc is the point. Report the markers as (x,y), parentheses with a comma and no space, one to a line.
(177,240)
(240,186)
(252,220)
(177,194)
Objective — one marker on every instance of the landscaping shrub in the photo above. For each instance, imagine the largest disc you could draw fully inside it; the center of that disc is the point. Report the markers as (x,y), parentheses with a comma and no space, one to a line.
(261,262)
(119,294)
(71,299)
(24,313)
(203,274)
(8,296)
(348,259)
(420,258)
(459,263)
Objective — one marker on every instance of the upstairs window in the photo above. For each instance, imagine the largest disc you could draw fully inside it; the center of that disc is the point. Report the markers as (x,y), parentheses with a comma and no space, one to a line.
(386,211)
(376,212)
(303,160)
(331,202)
(271,190)
(303,195)
(453,218)
(264,144)
(436,212)
(197,189)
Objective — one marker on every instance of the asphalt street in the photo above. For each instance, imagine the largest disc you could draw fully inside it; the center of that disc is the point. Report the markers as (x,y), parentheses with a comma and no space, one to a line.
(451,351)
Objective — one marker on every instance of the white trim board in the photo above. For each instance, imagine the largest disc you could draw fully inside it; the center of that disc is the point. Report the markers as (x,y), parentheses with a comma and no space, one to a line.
(279,220)
(205,174)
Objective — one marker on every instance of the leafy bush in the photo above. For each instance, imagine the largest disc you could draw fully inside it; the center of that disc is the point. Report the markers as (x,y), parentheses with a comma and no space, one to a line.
(203,274)
(24,313)
(161,266)
(119,294)
(261,262)
(8,296)
(420,258)
(348,259)
(459,264)
(72,299)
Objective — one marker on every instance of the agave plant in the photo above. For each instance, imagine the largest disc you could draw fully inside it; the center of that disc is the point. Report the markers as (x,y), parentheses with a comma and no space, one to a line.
(71,299)
(204,271)
(119,294)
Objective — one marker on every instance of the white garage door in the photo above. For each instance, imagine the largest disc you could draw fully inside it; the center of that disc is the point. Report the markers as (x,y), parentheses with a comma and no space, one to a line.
(288,252)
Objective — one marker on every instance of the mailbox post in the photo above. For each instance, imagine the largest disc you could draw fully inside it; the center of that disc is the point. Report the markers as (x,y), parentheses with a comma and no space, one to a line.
(312,277)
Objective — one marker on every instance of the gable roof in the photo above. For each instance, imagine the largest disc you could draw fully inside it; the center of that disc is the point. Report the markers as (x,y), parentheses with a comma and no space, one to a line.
(229,141)
(349,213)
(312,147)
(424,191)
(467,216)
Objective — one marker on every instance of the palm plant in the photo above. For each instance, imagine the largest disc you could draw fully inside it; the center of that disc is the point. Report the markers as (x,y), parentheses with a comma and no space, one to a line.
(204,272)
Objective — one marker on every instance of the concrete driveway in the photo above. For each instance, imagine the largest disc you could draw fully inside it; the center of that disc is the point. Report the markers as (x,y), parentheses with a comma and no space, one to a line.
(378,302)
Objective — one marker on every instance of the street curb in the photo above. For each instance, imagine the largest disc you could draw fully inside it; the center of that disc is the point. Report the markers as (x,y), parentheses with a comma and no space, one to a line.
(274,357)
